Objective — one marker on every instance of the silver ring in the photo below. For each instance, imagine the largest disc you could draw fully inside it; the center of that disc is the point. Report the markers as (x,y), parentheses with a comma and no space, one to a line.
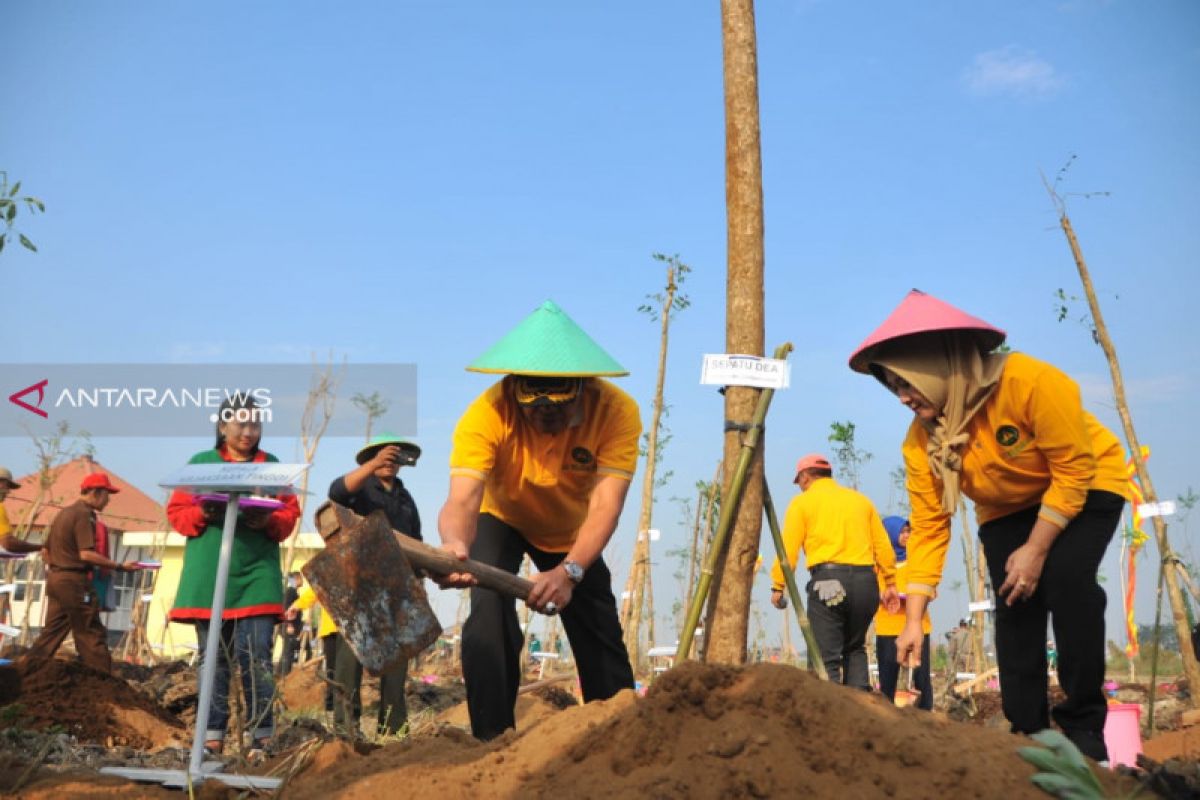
(551,608)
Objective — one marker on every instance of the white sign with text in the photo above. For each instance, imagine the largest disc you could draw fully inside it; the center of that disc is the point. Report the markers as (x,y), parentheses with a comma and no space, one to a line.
(266,476)
(721,369)
(1162,509)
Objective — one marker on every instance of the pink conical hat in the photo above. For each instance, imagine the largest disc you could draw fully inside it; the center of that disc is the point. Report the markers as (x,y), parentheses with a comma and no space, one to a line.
(922,313)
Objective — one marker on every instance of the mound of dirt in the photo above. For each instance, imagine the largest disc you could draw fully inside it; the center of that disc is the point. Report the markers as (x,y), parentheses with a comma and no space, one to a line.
(92,706)
(171,684)
(705,731)
(302,688)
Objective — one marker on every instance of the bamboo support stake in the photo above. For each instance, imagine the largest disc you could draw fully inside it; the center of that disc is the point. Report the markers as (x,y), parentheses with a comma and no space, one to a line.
(1191,668)
(729,511)
(1162,573)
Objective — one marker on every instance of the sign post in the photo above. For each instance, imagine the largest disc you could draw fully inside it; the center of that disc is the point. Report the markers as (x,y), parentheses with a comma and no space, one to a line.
(238,481)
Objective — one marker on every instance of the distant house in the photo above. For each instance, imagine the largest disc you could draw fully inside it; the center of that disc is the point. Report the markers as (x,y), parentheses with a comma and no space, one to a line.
(138,531)
(32,508)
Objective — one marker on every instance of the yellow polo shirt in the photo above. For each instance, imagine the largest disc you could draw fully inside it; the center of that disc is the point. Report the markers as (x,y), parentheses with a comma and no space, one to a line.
(888,624)
(538,483)
(835,524)
(1031,444)
(5,527)
(306,600)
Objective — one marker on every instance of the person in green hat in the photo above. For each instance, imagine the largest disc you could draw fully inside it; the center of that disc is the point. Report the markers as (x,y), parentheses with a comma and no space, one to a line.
(540,466)
(374,485)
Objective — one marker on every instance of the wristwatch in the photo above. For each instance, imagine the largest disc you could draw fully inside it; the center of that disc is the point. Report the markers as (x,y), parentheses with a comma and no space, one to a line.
(574,571)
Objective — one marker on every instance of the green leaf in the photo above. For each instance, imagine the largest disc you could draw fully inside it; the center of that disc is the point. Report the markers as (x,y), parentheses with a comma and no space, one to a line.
(1066,750)
(25,241)
(41,206)
(1041,758)
(11,213)
(16,188)
(2,237)
(1055,784)
(5,202)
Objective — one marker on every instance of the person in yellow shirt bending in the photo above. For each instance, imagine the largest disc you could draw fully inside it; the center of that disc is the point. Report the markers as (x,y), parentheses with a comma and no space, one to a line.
(1048,482)
(889,625)
(540,465)
(844,544)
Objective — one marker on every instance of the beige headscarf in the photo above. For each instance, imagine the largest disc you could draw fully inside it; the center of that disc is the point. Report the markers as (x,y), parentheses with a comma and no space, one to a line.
(948,368)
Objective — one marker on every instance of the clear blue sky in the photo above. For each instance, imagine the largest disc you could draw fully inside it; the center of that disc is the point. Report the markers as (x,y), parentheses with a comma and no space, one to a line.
(405,181)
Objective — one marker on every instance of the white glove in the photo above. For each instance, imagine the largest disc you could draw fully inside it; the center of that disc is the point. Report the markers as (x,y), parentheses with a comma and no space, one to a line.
(830,591)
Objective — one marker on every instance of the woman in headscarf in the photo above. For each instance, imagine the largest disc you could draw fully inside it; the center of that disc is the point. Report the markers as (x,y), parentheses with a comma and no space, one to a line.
(888,625)
(1048,481)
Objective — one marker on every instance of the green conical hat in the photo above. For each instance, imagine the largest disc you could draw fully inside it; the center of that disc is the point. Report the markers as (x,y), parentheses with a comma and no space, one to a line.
(409,452)
(548,342)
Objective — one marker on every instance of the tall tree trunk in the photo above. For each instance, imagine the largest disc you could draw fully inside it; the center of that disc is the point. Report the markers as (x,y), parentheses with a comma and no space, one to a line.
(1190,667)
(703,516)
(639,573)
(787,652)
(686,582)
(649,589)
(729,605)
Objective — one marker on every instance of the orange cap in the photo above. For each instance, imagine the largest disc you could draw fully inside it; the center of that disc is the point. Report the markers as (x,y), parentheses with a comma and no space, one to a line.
(812,461)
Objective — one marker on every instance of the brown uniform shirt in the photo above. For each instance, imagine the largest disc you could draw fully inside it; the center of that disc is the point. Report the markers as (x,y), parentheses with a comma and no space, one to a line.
(74,529)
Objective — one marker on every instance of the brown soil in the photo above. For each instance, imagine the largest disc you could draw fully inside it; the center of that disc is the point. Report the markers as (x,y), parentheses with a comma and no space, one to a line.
(303,689)
(1182,744)
(701,731)
(90,705)
(89,785)
(531,709)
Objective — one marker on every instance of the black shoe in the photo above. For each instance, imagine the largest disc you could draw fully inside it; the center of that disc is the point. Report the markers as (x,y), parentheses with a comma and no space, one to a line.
(1090,743)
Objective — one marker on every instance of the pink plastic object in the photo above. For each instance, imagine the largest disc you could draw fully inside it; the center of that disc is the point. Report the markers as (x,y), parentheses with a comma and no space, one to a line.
(245,502)
(1123,733)
(269,503)
(919,313)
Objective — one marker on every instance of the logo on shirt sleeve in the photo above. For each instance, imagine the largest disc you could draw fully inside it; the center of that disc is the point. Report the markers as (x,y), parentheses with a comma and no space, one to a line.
(1007,435)
(581,460)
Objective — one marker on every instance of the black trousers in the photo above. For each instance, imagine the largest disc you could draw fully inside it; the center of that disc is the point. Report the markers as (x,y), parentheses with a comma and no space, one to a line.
(841,630)
(889,671)
(291,649)
(329,647)
(492,642)
(347,701)
(1069,594)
